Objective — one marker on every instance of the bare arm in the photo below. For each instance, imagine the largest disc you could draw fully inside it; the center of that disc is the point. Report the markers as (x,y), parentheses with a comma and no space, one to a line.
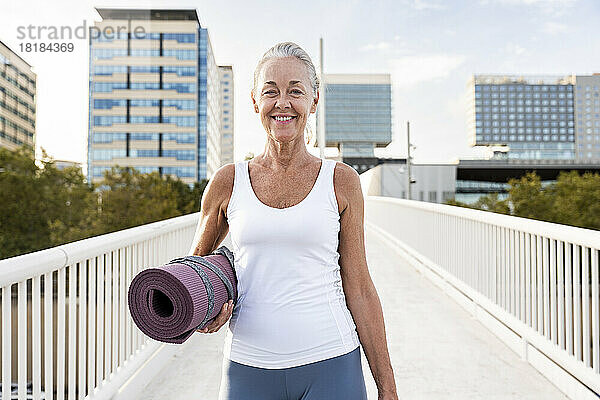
(212,226)
(212,229)
(361,296)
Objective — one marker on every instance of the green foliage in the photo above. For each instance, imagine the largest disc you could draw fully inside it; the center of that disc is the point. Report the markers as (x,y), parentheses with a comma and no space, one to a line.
(129,198)
(188,201)
(21,227)
(528,198)
(573,199)
(576,199)
(45,207)
(489,202)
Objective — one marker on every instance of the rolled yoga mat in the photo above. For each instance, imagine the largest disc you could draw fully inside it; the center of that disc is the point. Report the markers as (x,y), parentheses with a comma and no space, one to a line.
(170,302)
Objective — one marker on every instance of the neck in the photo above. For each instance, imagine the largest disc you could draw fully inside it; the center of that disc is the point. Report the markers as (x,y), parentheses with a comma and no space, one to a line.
(282,156)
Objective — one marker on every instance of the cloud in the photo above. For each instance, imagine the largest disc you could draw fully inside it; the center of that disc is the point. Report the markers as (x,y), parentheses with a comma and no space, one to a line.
(413,69)
(514,49)
(450,32)
(554,28)
(553,7)
(426,5)
(376,46)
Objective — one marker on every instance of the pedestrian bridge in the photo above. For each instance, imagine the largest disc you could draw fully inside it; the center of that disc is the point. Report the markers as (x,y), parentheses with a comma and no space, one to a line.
(477,305)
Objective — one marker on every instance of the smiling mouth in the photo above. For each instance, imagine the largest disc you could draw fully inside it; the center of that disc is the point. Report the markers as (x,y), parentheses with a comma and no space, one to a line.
(283,119)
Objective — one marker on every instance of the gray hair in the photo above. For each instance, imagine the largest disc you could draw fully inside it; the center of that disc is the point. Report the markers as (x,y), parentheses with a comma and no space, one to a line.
(284,50)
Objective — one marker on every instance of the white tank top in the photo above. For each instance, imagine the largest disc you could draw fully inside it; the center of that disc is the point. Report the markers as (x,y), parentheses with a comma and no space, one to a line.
(291,308)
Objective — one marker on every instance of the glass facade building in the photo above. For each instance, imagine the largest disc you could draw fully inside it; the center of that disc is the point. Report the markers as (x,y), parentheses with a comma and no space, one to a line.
(536,118)
(17,100)
(587,117)
(154,102)
(358,113)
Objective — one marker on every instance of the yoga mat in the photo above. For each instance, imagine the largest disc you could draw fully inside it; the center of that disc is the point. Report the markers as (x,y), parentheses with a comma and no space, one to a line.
(170,302)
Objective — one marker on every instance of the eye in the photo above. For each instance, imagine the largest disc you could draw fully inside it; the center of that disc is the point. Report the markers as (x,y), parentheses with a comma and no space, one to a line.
(269,92)
(297,91)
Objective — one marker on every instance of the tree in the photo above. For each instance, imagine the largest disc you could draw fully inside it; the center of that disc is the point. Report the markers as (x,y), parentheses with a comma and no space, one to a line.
(573,199)
(576,199)
(491,202)
(45,207)
(130,198)
(188,199)
(23,228)
(39,202)
(527,197)
(71,204)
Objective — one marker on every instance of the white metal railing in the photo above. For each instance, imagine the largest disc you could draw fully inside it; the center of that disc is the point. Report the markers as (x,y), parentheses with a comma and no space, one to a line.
(85,321)
(529,275)
(539,279)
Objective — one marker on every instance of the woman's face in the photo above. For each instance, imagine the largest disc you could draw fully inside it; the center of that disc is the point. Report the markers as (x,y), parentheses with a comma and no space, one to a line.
(284,98)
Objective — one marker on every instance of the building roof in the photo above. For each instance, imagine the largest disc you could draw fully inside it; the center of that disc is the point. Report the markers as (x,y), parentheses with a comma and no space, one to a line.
(372,79)
(158,14)
(501,79)
(20,58)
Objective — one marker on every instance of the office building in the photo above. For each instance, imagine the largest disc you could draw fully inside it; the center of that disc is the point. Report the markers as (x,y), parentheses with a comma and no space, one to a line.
(358,116)
(587,118)
(465,181)
(226,81)
(17,100)
(434,183)
(154,94)
(62,164)
(537,118)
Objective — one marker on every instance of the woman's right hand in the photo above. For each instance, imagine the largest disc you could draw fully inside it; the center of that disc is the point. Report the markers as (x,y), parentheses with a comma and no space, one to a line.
(220,319)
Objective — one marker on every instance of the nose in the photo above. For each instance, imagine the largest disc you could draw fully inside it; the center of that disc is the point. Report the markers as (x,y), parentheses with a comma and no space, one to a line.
(283,101)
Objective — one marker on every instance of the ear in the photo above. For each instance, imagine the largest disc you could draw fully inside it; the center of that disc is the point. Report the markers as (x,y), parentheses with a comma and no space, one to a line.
(254,101)
(313,106)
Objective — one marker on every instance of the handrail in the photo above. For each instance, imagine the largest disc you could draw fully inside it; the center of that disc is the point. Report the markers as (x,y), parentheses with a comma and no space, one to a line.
(583,236)
(540,280)
(83,288)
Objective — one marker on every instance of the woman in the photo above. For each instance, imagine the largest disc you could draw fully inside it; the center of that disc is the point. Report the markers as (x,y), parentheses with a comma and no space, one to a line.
(305,293)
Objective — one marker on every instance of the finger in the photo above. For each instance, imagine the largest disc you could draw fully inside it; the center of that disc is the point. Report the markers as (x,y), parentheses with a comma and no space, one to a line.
(215,325)
(220,319)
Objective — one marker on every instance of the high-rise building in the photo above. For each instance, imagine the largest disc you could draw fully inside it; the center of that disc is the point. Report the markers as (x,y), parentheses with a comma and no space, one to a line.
(226,80)
(17,100)
(154,94)
(587,117)
(537,118)
(358,116)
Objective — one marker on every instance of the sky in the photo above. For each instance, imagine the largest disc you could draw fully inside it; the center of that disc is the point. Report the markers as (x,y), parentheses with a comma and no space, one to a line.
(430,47)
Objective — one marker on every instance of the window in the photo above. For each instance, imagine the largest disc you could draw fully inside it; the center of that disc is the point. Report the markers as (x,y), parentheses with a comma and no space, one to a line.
(433,197)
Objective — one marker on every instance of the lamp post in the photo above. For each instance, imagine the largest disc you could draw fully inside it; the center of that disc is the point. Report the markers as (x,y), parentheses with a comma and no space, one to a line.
(408,177)
(321,131)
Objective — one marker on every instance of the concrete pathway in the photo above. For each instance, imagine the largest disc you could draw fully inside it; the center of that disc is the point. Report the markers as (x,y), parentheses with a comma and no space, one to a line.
(438,350)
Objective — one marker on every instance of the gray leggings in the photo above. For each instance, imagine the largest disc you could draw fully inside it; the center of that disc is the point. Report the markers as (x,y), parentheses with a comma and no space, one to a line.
(335,378)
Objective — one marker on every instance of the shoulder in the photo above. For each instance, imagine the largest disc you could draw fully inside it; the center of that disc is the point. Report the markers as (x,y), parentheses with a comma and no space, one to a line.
(218,191)
(224,175)
(346,182)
